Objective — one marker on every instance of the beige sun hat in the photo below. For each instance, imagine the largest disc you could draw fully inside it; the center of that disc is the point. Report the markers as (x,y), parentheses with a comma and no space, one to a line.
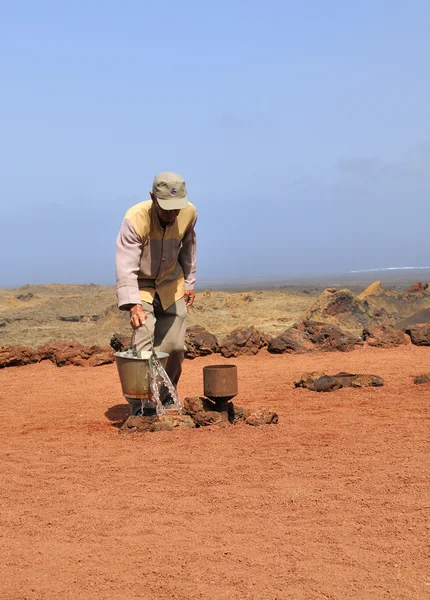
(170,191)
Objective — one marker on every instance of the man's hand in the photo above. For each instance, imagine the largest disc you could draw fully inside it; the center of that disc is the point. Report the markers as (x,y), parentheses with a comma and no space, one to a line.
(189,297)
(137,316)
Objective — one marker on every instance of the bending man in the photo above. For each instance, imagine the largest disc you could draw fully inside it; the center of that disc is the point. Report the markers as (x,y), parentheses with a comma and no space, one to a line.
(156,272)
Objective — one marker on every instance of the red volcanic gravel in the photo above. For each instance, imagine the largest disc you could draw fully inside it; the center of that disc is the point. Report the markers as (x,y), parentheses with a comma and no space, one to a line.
(331,503)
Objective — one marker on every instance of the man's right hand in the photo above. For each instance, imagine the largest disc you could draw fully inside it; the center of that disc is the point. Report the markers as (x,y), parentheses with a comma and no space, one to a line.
(137,316)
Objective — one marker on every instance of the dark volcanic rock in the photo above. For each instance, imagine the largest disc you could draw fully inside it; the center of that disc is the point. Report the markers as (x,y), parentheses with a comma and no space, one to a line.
(313,336)
(255,418)
(328,337)
(419,334)
(205,412)
(25,297)
(321,382)
(14,356)
(61,353)
(242,342)
(342,301)
(74,353)
(65,353)
(417,288)
(422,378)
(100,356)
(71,319)
(292,340)
(199,342)
(345,309)
(79,318)
(201,412)
(384,336)
(238,414)
(120,342)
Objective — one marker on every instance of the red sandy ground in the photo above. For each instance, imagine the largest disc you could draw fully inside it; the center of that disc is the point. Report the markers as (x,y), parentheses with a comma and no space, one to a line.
(332,503)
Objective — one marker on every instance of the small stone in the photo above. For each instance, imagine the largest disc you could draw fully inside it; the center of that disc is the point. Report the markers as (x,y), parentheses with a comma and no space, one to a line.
(161,423)
(262,417)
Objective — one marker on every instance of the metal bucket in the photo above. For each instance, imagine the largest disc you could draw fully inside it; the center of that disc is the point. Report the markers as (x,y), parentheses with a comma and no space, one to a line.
(134,372)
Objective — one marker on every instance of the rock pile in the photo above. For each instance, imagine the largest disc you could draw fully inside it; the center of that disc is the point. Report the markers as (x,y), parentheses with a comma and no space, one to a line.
(61,354)
(338,321)
(162,423)
(201,412)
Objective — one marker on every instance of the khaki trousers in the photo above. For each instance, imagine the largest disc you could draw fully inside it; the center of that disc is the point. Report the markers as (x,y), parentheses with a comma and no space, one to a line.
(167,329)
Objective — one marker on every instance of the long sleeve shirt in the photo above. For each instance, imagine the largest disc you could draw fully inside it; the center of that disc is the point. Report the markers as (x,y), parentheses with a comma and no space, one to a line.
(153,260)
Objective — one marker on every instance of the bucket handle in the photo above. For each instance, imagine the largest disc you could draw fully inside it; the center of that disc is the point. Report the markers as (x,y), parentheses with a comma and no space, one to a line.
(133,341)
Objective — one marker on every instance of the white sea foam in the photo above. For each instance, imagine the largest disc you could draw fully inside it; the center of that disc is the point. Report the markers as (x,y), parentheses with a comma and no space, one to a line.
(389,269)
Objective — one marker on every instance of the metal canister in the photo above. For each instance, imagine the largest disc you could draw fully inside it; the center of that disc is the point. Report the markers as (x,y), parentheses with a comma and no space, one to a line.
(220,382)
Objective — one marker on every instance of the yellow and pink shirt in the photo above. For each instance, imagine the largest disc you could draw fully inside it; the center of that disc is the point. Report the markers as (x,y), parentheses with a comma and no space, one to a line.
(153,260)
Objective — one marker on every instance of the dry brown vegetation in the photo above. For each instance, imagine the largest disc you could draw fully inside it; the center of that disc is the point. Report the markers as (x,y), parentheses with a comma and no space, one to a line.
(37,315)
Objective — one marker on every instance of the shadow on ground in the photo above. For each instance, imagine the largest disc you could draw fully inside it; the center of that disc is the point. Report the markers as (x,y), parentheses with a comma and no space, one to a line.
(118,414)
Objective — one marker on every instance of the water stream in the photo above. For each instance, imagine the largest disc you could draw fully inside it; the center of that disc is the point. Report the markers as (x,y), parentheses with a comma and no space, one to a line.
(159,378)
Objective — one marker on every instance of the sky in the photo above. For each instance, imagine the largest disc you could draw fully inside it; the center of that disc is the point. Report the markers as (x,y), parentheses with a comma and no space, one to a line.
(302,129)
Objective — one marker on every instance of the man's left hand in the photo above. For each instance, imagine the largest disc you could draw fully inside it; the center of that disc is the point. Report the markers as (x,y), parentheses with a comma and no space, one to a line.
(189,296)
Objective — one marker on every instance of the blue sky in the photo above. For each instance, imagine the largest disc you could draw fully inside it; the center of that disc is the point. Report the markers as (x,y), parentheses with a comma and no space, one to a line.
(301,127)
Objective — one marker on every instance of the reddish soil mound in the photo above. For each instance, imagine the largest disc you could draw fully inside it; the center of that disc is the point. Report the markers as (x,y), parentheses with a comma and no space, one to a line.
(333,502)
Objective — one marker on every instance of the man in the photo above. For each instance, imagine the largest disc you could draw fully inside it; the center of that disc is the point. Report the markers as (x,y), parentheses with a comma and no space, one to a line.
(156,272)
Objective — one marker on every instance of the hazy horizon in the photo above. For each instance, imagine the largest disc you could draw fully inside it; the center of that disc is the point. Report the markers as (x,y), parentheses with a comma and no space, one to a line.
(388,276)
(301,129)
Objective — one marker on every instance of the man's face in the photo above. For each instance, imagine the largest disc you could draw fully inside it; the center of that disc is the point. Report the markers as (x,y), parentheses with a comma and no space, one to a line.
(165,216)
